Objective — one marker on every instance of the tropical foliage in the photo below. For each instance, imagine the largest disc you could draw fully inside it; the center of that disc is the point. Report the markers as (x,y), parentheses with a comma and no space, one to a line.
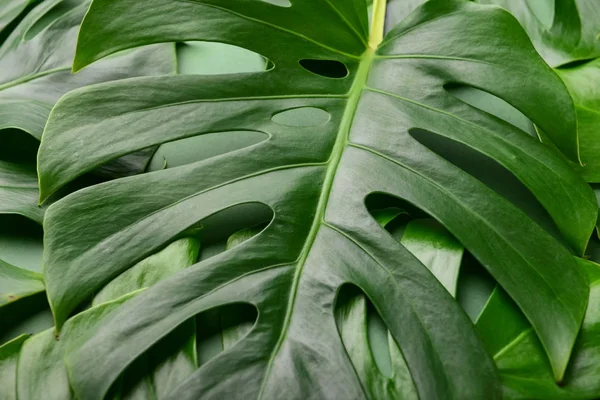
(315,199)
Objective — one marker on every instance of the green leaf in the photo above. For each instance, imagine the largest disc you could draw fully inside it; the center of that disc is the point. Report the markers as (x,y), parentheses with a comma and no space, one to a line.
(10,10)
(315,177)
(436,248)
(365,337)
(175,257)
(41,371)
(160,370)
(520,357)
(19,190)
(9,355)
(16,283)
(569,36)
(35,68)
(587,105)
(35,71)
(562,31)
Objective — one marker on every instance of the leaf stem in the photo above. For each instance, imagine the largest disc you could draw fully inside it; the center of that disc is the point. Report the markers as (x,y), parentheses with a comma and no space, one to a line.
(377,23)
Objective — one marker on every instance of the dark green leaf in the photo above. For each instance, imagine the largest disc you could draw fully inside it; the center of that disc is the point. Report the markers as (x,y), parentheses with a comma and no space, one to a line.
(315,177)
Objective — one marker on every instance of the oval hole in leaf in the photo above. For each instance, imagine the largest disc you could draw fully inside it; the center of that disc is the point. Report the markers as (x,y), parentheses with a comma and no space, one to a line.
(493,105)
(210,58)
(202,147)
(327,68)
(221,328)
(302,117)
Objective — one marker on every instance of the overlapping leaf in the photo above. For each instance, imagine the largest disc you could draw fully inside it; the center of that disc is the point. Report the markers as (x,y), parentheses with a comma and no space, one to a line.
(42,372)
(10,10)
(315,178)
(520,358)
(567,35)
(562,31)
(35,71)
(582,84)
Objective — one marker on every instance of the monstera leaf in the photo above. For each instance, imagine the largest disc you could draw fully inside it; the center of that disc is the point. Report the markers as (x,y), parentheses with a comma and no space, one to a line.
(520,358)
(35,71)
(370,113)
(586,96)
(562,31)
(567,35)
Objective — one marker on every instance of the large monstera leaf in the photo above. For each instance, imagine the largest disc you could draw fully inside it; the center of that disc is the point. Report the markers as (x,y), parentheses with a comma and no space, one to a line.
(376,104)
(35,71)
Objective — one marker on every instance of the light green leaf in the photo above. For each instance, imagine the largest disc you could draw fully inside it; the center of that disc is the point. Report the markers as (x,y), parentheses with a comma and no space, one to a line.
(562,31)
(353,325)
(586,95)
(42,373)
(315,177)
(175,257)
(35,71)
(436,248)
(16,283)
(520,357)
(19,190)
(10,10)
(9,356)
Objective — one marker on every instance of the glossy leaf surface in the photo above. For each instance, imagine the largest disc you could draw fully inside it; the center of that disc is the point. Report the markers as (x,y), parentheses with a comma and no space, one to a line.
(16,283)
(315,177)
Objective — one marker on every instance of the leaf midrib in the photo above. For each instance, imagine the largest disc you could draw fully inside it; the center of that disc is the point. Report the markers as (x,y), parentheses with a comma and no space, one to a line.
(32,77)
(354,96)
